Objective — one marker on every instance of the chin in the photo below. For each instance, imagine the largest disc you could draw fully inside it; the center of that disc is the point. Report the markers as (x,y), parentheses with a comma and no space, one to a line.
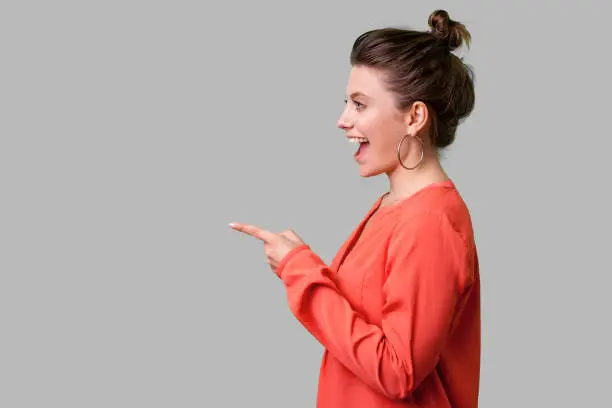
(365,171)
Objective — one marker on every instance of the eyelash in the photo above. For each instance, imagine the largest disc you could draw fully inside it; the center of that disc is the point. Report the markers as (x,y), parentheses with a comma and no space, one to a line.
(358,104)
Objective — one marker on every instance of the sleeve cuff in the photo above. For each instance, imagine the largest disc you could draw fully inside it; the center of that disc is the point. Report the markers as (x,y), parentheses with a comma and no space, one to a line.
(283,263)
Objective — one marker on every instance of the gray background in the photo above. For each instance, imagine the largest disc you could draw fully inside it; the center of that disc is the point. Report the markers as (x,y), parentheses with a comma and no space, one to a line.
(133,132)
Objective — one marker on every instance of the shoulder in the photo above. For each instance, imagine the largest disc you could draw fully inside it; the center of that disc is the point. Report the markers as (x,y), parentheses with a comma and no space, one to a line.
(433,227)
(438,236)
(443,212)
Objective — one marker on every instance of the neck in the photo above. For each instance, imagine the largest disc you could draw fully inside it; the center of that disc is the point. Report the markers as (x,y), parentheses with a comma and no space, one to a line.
(403,183)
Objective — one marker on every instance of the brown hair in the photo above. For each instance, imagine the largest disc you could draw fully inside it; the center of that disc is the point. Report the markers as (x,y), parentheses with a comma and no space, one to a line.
(420,66)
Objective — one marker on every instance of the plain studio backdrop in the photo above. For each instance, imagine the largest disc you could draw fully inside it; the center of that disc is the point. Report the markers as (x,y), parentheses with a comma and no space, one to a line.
(133,132)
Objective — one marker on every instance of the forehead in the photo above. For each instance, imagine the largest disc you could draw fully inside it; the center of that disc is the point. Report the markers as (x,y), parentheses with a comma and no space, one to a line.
(365,80)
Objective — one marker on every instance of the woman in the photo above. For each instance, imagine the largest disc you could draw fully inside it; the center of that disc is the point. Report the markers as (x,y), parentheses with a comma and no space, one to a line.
(398,309)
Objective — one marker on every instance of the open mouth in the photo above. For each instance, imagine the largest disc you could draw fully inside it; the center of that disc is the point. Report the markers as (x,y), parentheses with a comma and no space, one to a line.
(363,146)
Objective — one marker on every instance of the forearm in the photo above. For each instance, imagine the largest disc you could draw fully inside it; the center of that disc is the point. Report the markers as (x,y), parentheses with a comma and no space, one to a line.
(363,348)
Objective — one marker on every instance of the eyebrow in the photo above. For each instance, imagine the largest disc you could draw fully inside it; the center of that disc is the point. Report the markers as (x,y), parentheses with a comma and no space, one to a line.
(357,93)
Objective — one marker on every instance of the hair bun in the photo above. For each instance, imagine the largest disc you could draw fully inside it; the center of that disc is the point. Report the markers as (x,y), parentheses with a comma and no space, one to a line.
(446,30)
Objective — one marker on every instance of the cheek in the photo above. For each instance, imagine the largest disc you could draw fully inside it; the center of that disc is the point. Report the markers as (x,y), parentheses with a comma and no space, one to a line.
(383,133)
(369,125)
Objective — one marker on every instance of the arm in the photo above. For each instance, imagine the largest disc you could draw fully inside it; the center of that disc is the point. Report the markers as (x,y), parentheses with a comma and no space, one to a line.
(426,276)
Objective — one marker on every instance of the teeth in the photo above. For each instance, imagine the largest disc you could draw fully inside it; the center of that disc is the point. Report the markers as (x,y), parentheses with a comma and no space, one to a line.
(358,140)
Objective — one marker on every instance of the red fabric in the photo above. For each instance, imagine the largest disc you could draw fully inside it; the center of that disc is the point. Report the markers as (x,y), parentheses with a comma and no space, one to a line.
(398,309)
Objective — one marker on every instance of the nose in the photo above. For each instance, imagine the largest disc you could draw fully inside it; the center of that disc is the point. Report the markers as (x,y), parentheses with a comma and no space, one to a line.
(344,121)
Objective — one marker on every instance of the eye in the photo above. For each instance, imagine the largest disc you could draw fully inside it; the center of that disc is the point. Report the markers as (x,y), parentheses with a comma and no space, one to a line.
(357,104)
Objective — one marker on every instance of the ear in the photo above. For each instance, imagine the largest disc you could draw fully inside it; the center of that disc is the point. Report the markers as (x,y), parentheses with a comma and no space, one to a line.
(416,118)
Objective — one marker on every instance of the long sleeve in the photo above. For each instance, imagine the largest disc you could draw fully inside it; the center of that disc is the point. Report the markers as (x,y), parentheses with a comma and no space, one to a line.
(427,272)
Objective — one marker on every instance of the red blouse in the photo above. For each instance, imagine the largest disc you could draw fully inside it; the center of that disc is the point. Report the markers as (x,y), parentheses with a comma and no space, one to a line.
(398,309)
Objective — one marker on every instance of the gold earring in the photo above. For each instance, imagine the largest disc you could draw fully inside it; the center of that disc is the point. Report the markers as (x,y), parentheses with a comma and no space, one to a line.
(399,157)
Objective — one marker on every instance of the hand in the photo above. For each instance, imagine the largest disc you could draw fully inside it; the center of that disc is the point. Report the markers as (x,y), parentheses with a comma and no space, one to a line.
(276,246)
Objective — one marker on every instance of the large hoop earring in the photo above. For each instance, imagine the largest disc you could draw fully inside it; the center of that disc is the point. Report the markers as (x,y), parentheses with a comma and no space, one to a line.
(399,156)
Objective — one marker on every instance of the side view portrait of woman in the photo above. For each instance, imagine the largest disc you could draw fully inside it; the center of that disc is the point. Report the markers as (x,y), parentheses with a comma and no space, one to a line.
(398,308)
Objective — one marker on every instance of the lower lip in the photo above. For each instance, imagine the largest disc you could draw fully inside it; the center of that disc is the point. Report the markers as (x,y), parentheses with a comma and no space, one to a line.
(361,152)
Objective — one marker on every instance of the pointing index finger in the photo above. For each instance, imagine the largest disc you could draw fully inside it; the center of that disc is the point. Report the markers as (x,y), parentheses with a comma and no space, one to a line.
(253,231)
